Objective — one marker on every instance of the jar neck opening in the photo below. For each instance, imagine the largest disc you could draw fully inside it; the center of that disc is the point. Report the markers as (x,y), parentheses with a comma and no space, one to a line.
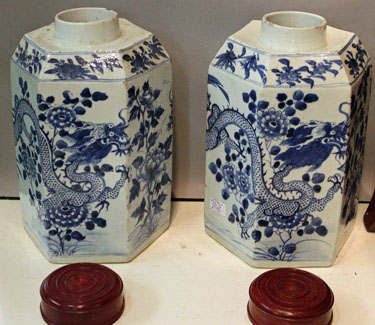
(293,31)
(294,19)
(85,15)
(87,26)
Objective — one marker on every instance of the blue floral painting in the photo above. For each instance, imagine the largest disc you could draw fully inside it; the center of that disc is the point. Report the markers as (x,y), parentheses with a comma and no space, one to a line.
(29,59)
(248,62)
(356,59)
(78,68)
(291,76)
(151,162)
(145,56)
(355,152)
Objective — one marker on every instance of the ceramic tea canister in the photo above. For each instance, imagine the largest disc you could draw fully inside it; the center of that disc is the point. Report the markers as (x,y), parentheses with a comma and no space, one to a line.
(287,107)
(93,132)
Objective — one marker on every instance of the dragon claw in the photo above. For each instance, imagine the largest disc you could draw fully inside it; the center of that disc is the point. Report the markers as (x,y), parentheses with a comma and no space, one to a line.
(336,180)
(123,170)
(102,204)
(120,169)
(244,234)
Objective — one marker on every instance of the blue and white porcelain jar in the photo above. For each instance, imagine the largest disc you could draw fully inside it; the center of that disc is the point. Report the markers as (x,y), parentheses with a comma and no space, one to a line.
(286,121)
(92,112)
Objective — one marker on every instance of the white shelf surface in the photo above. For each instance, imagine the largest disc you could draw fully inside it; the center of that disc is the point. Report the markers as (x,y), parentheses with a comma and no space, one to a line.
(184,277)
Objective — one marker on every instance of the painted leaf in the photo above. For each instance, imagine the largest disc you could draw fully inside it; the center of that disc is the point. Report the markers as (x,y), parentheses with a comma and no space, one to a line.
(137,161)
(284,61)
(152,139)
(168,142)
(134,191)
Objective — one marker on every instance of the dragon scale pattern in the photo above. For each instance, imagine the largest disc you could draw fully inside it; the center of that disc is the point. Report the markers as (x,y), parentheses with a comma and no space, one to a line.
(61,192)
(271,204)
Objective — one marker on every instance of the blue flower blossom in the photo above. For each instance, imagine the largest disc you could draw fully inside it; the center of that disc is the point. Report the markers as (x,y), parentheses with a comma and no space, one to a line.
(319,69)
(286,222)
(79,68)
(290,76)
(243,181)
(28,158)
(144,57)
(153,166)
(22,55)
(356,62)
(61,117)
(67,70)
(229,177)
(156,50)
(30,61)
(67,216)
(272,124)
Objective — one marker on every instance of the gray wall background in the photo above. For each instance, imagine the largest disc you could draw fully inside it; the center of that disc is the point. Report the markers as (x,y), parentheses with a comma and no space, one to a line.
(192,31)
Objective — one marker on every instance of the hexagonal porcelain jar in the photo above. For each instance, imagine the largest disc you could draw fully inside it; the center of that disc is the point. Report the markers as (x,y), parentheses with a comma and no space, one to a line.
(92,116)
(287,109)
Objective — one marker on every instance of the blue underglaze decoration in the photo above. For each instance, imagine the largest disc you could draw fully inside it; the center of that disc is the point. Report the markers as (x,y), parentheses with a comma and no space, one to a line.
(145,56)
(79,68)
(150,164)
(212,80)
(309,145)
(356,61)
(267,208)
(70,158)
(249,63)
(287,74)
(355,152)
(30,60)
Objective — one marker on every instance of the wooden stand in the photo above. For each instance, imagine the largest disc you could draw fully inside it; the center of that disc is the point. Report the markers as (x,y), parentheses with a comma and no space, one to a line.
(369,218)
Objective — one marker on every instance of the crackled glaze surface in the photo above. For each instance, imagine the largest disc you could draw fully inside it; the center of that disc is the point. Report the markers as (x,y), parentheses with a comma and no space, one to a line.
(285,142)
(93,132)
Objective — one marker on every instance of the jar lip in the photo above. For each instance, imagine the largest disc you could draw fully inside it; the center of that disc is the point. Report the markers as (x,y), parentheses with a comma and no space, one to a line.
(87,26)
(102,15)
(277,19)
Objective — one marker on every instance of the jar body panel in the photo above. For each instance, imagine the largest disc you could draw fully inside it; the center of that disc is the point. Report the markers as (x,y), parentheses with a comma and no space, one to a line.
(280,155)
(93,137)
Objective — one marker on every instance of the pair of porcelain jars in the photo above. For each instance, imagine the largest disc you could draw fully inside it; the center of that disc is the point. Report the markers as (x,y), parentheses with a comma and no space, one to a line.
(287,110)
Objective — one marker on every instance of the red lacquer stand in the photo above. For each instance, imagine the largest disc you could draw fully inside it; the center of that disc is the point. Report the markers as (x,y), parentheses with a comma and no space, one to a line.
(369,218)
(82,293)
(290,296)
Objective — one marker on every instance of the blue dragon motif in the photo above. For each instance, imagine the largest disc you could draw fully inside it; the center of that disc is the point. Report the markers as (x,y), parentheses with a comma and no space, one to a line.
(62,154)
(275,208)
